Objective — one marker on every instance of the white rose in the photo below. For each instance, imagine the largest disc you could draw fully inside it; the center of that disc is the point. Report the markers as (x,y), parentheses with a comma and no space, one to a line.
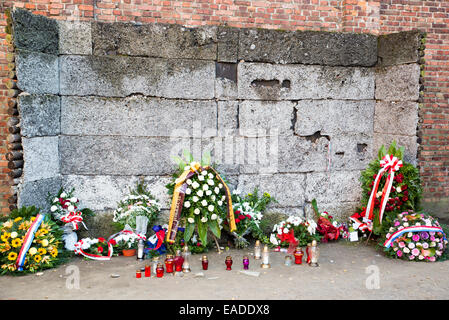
(210,175)
(195,185)
(55,200)
(417,224)
(406,250)
(411,245)
(213,216)
(187,204)
(189,182)
(200,193)
(220,203)
(191,220)
(398,189)
(405,224)
(201,178)
(71,208)
(409,234)
(208,192)
(195,199)
(204,172)
(73,200)
(210,208)
(421,257)
(220,185)
(433,244)
(53,208)
(188,191)
(203,219)
(213,197)
(14,234)
(274,240)
(205,187)
(204,203)
(285,230)
(196,211)
(33,251)
(63,195)
(217,191)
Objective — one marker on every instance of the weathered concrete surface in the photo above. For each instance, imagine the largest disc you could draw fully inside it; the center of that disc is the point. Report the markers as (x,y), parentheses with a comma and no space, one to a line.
(266,117)
(399,48)
(333,187)
(308,47)
(287,189)
(262,81)
(75,37)
(95,192)
(34,193)
(120,76)
(228,44)
(37,72)
(145,117)
(398,83)
(338,210)
(399,118)
(410,144)
(39,115)
(334,117)
(351,151)
(228,116)
(155,40)
(35,32)
(119,155)
(341,275)
(41,158)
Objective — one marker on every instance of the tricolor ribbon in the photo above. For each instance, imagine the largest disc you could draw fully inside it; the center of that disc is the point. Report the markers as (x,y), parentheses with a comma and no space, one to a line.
(178,200)
(79,250)
(157,239)
(28,240)
(74,218)
(398,233)
(389,164)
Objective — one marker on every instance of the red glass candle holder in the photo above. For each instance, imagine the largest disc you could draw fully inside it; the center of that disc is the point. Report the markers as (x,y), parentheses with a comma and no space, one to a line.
(228,263)
(138,274)
(178,261)
(298,256)
(160,270)
(205,262)
(169,262)
(147,271)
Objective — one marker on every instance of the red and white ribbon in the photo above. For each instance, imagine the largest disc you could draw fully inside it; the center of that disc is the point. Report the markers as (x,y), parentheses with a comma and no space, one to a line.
(79,250)
(140,236)
(389,164)
(74,218)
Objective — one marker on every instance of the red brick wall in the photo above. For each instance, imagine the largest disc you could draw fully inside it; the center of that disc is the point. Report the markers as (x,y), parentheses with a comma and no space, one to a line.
(377,17)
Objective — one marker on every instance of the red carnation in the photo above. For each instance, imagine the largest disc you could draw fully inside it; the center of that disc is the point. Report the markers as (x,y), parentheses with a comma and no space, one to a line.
(237,220)
(100,249)
(404,187)
(241,217)
(237,212)
(198,244)
(113,242)
(248,216)
(101,240)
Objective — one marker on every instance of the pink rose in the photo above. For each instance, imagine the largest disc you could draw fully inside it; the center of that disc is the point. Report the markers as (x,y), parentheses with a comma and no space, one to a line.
(432,238)
(432,259)
(415,237)
(411,257)
(401,244)
(399,253)
(396,223)
(415,252)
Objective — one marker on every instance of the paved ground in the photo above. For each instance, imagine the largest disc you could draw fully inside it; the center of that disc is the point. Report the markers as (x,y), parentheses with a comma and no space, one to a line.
(342,275)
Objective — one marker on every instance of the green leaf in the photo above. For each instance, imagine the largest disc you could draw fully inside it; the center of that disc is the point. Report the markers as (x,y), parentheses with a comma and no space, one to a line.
(202,232)
(315,208)
(188,156)
(189,232)
(382,152)
(205,160)
(401,153)
(392,148)
(213,225)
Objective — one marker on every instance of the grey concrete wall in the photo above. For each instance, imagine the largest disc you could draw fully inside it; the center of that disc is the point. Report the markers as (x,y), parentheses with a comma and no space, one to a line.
(297,114)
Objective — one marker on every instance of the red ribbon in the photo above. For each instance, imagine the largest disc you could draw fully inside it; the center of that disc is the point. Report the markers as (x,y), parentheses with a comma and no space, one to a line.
(389,164)
(74,218)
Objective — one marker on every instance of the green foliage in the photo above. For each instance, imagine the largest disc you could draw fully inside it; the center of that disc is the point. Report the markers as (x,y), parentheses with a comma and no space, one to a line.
(24,212)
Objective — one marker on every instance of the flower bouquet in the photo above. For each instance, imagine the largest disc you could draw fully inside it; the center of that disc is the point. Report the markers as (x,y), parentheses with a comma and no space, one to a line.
(140,202)
(415,236)
(201,200)
(64,209)
(389,185)
(293,232)
(248,212)
(96,248)
(29,243)
(195,245)
(327,226)
(125,242)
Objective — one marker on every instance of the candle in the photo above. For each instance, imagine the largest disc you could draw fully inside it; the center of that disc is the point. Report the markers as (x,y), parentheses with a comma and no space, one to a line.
(138,274)
(228,262)
(298,255)
(265,258)
(257,254)
(169,263)
(205,262)
(147,271)
(288,261)
(160,270)
(179,260)
(245,263)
